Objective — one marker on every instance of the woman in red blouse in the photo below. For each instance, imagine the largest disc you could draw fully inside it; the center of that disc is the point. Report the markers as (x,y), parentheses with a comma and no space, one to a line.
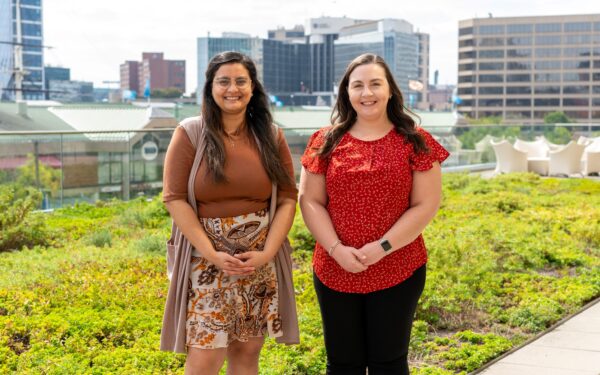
(370,184)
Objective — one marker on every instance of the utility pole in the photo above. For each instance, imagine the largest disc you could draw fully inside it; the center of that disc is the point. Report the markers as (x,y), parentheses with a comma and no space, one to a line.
(19,71)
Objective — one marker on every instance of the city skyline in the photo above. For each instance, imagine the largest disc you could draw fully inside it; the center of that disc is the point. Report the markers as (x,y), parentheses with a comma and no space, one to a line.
(102,36)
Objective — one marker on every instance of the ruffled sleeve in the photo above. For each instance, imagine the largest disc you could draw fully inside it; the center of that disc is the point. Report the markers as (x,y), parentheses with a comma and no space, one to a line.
(423,161)
(310,161)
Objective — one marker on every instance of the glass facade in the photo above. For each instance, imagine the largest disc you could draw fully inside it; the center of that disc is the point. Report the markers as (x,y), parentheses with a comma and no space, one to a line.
(400,51)
(519,58)
(6,50)
(33,56)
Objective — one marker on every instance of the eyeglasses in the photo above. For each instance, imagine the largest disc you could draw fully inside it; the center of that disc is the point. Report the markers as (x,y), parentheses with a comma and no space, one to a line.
(240,83)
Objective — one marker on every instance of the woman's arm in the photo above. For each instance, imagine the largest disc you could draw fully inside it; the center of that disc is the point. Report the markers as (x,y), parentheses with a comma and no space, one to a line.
(425,198)
(313,201)
(186,220)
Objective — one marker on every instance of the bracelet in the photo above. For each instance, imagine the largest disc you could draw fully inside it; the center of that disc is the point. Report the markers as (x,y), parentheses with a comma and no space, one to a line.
(332,247)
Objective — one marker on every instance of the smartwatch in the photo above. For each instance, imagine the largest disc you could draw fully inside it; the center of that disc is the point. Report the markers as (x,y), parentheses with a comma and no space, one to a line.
(385,244)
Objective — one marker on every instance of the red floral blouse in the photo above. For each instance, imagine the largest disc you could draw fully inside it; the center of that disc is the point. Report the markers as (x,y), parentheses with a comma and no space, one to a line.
(368,187)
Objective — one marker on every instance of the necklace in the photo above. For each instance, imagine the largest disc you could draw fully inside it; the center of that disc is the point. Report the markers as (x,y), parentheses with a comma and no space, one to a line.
(234,136)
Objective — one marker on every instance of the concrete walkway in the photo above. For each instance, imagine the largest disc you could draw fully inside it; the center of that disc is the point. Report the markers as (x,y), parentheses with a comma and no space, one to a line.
(571,348)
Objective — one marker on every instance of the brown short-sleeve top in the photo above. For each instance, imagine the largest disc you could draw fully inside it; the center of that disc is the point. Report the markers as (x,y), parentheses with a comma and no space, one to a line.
(248,187)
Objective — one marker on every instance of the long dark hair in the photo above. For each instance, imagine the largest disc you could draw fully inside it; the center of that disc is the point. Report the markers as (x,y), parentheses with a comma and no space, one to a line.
(258,120)
(344,116)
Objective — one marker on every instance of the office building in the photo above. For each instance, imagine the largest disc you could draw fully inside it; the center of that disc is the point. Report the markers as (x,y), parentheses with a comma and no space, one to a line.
(153,70)
(522,68)
(30,12)
(282,66)
(392,39)
(54,73)
(71,91)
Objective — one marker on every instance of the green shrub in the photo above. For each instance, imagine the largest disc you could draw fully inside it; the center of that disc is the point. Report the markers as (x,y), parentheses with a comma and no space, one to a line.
(100,238)
(153,243)
(19,226)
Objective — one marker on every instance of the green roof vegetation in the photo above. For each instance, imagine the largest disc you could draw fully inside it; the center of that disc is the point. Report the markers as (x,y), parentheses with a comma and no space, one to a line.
(508,257)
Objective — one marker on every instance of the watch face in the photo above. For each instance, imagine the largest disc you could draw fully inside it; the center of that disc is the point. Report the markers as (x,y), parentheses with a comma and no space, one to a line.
(386,245)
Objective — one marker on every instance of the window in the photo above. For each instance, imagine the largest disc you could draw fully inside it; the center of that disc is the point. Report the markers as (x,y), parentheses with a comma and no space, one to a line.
(547,77)
(596,89)
(576,102)
(574,77)
(491,66)
(490,102)
(490,29)
(546,65)
(520,90)
(578,39)
(490,78)
(596,102)
(518,102)
(522,52)
(576,89)
(32,60)
(519,29)
(540,114)
(465,31)
(548,28)
(517,115)
(491,91)
(572,64)
(467,103)
(547,39)
(596,76)
(596,26)
(571,52)
(466,55)
(31,2)
(465,91)
(547,102)
(547,89)
(547,52)
(578,114)
(491,42)
(518,78)
(462,79)
(491,54)
(463,67)
(466,43)
(578,26)
(514,65)
(519,41)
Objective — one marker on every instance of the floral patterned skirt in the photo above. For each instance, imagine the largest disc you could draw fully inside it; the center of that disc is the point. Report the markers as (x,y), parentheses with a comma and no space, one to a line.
(221,308)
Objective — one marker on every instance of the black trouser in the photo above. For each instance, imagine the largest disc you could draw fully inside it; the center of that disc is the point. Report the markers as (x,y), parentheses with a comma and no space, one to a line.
(369,330)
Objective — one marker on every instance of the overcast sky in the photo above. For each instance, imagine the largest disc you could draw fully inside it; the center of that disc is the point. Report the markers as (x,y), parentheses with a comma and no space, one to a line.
(93,37)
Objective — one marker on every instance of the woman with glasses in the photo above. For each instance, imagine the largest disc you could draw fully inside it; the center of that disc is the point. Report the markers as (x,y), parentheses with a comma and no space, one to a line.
(233,295)
(370,184)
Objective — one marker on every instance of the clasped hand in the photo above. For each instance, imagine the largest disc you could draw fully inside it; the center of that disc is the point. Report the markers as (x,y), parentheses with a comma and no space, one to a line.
(242,264)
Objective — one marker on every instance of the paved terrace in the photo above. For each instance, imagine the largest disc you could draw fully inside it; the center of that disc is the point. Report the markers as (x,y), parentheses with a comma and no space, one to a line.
(570,348)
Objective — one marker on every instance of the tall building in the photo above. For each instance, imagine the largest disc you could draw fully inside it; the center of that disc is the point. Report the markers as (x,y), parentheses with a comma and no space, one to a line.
(282,66)
(54,73)
(30,12)
(6,49)
(392,39)
(423,73)
(71,91)
(295,64)
(322,33)
(130,77)
(522,68)
(155,70)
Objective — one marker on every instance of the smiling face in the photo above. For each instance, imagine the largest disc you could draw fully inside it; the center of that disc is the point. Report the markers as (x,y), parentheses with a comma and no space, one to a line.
(369,92)
(232,88)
